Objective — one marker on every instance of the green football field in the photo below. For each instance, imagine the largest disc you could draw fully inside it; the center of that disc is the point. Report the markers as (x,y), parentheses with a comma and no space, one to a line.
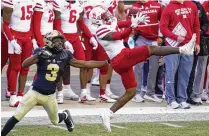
(121,129)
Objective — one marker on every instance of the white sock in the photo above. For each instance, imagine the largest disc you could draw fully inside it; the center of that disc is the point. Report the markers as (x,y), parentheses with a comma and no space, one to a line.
(107,86)
(60,92)
(84,91)
(68,89)
(88,86)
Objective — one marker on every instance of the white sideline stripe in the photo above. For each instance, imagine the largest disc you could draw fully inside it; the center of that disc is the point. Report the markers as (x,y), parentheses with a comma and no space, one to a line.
(171,125)
(59,127)
(121,127)
(123,111)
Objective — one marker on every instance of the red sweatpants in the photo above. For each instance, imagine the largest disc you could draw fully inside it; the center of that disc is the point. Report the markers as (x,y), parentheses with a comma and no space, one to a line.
(16,61)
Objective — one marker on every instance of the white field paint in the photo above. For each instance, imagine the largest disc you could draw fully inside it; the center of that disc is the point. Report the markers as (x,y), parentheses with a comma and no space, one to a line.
(59,127)
(121,127)
(171,125)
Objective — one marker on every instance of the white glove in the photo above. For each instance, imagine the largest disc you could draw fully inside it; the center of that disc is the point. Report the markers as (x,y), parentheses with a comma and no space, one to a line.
(68,46)
(35,45)
(93,41)
(142,18)
(17,48)
(139,18)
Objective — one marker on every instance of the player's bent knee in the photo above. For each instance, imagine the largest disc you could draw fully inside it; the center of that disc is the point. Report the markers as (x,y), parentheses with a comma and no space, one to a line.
(18,116)
(55,122)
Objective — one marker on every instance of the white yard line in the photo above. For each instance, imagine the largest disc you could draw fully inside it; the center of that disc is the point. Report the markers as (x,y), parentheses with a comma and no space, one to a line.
(121,127)
(171,125)
(59,127)
(123,111)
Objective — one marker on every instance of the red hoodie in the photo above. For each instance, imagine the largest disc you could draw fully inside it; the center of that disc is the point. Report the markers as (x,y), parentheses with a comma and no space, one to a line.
(206,8)
(153,10)
(186,14)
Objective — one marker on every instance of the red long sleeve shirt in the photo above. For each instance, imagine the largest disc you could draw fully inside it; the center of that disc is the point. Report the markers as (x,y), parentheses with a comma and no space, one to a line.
(206,8)
(154,11)
(186,14)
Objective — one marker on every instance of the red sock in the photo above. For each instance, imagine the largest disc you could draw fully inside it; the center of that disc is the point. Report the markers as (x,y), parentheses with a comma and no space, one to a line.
(89,81)
(108,81)
(66,83)
(102,92)
(20,93)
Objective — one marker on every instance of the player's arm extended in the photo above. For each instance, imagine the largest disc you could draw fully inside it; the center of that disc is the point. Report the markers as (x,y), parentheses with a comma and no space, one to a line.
(87,64)
(30,61)
(111,36)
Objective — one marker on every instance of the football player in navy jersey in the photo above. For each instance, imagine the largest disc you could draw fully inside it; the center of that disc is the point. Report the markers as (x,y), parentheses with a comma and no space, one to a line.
(50,61)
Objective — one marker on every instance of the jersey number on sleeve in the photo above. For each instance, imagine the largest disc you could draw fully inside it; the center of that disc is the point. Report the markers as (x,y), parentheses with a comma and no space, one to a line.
(54,68)
(72,18)
(27,12)
(51,16)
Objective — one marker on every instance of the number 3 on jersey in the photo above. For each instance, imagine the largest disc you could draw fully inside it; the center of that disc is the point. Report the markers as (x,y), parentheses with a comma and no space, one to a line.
(72,18)
(54,68)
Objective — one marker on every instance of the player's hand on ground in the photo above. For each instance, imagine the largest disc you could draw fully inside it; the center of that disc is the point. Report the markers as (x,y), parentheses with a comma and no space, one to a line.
(17,47)
(69,46)
(44,53)
(93,41)
(35,45)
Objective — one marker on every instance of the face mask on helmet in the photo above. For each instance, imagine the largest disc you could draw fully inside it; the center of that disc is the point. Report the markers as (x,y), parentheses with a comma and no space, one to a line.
(54,41)
(71,1)
(99,16)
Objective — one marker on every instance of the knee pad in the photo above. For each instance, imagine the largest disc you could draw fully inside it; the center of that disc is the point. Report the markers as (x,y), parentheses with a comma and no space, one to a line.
(104,70)
(24,71)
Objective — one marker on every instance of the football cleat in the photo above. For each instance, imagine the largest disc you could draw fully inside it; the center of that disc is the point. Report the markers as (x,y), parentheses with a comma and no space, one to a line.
(7,94)
(13,101)
(106,115)
(109,93)
(104,98)
(69,121)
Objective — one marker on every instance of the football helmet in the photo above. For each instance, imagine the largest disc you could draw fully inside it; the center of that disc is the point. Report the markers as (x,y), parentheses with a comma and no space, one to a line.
(54,41)
(100,16)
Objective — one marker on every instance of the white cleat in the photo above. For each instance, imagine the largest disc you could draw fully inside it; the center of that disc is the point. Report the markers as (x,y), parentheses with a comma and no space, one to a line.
(69,94)
(60,97)
(86,97)
(19,98)
(106,115)
(104,98)
(188,48)
(7,94)
(13,101)
(29,83)
(109,93)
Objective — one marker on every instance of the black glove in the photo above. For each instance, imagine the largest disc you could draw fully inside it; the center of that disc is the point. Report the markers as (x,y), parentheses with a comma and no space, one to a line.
(44,53)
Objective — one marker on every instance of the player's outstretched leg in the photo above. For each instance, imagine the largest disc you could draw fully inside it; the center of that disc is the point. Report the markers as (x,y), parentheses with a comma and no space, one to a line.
(9,126)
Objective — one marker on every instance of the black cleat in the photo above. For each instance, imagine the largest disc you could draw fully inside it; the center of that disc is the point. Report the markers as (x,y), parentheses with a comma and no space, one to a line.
(69,121)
